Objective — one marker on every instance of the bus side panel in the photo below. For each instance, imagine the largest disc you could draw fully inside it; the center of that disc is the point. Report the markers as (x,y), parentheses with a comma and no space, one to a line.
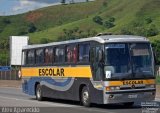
(74,92)
(28,86)
(96,95)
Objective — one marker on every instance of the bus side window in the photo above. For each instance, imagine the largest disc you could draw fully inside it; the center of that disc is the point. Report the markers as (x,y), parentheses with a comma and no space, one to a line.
(71,54)
(75,54)
(84,52)
(39,56)
(48,58)
(30,57)
(59,55)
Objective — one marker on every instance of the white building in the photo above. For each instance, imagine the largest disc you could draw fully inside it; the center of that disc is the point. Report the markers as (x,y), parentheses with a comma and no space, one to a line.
(16,44)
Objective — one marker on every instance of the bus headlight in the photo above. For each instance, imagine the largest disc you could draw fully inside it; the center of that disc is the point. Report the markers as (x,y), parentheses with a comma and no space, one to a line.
(117,88)
(111,88)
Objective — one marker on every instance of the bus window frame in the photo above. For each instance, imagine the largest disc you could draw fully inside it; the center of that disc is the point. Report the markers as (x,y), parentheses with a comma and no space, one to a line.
(33,64)
(84,62)
(53,55)
(71,62)
(42,63)
(59,63)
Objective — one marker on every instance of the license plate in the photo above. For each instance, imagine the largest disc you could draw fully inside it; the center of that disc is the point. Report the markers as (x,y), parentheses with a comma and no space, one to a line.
(132,96)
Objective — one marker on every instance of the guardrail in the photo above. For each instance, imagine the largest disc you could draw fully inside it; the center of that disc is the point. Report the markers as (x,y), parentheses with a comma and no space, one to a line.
(9,75)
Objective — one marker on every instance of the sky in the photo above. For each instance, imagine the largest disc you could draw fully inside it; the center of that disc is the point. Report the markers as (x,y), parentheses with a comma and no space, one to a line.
(13,7)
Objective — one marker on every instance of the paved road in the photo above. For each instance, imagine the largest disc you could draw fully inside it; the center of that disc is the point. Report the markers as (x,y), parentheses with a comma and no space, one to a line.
(12,100)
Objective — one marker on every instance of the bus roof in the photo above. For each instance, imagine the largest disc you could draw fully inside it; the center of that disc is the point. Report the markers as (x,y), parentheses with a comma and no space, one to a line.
(100,39)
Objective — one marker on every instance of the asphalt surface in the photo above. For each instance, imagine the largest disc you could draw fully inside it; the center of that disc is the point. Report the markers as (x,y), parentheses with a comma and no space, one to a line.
(12,100)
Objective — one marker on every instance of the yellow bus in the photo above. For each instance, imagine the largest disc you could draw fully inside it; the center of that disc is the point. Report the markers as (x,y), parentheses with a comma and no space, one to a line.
(103,70)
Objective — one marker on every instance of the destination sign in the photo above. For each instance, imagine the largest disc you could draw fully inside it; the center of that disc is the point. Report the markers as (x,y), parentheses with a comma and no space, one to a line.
(132,82)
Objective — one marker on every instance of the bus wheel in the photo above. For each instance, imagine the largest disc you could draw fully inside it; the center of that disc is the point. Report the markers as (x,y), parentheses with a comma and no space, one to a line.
(39,96)
(128,104)
(85,97)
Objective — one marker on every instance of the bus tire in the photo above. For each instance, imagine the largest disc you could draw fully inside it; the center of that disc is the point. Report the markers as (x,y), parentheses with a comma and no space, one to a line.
(85,97)
(39,96)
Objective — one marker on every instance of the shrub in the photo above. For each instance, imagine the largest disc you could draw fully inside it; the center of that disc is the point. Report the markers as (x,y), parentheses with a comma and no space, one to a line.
(104,3)
(156,49)
(148,20)
(1,30)
(76,33)
(152,31)
(31,28)
(63,1)
(111,19)
(140,31)
(6,21)
(108,24)
(98,20)
(126,31)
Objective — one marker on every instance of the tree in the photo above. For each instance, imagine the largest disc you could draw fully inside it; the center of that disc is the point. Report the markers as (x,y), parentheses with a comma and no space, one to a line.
(152,31)
(6,21)
(4,44)
(1,30)
(111,19)
(98,20)
(3,59)
(108,24)
(156,49)
(105,3)
(148,20)
(72,1)
(63,1)
(31,28)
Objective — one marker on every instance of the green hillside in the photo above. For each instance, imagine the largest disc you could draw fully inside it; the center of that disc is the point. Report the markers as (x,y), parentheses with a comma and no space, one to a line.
(130,17)
(46,18)
(62,22)
(138,17)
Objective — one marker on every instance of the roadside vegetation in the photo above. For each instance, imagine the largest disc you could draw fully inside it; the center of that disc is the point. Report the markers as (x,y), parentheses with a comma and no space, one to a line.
(72,21)
(158,80)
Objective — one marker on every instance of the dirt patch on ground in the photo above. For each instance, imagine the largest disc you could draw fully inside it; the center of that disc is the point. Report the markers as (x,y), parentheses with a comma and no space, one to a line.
(34,16)
(10,83)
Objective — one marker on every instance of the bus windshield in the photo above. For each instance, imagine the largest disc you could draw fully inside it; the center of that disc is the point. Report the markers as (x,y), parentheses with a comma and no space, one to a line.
(128,61)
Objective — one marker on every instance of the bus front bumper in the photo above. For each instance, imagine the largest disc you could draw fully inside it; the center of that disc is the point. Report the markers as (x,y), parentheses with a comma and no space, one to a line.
(129,96)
